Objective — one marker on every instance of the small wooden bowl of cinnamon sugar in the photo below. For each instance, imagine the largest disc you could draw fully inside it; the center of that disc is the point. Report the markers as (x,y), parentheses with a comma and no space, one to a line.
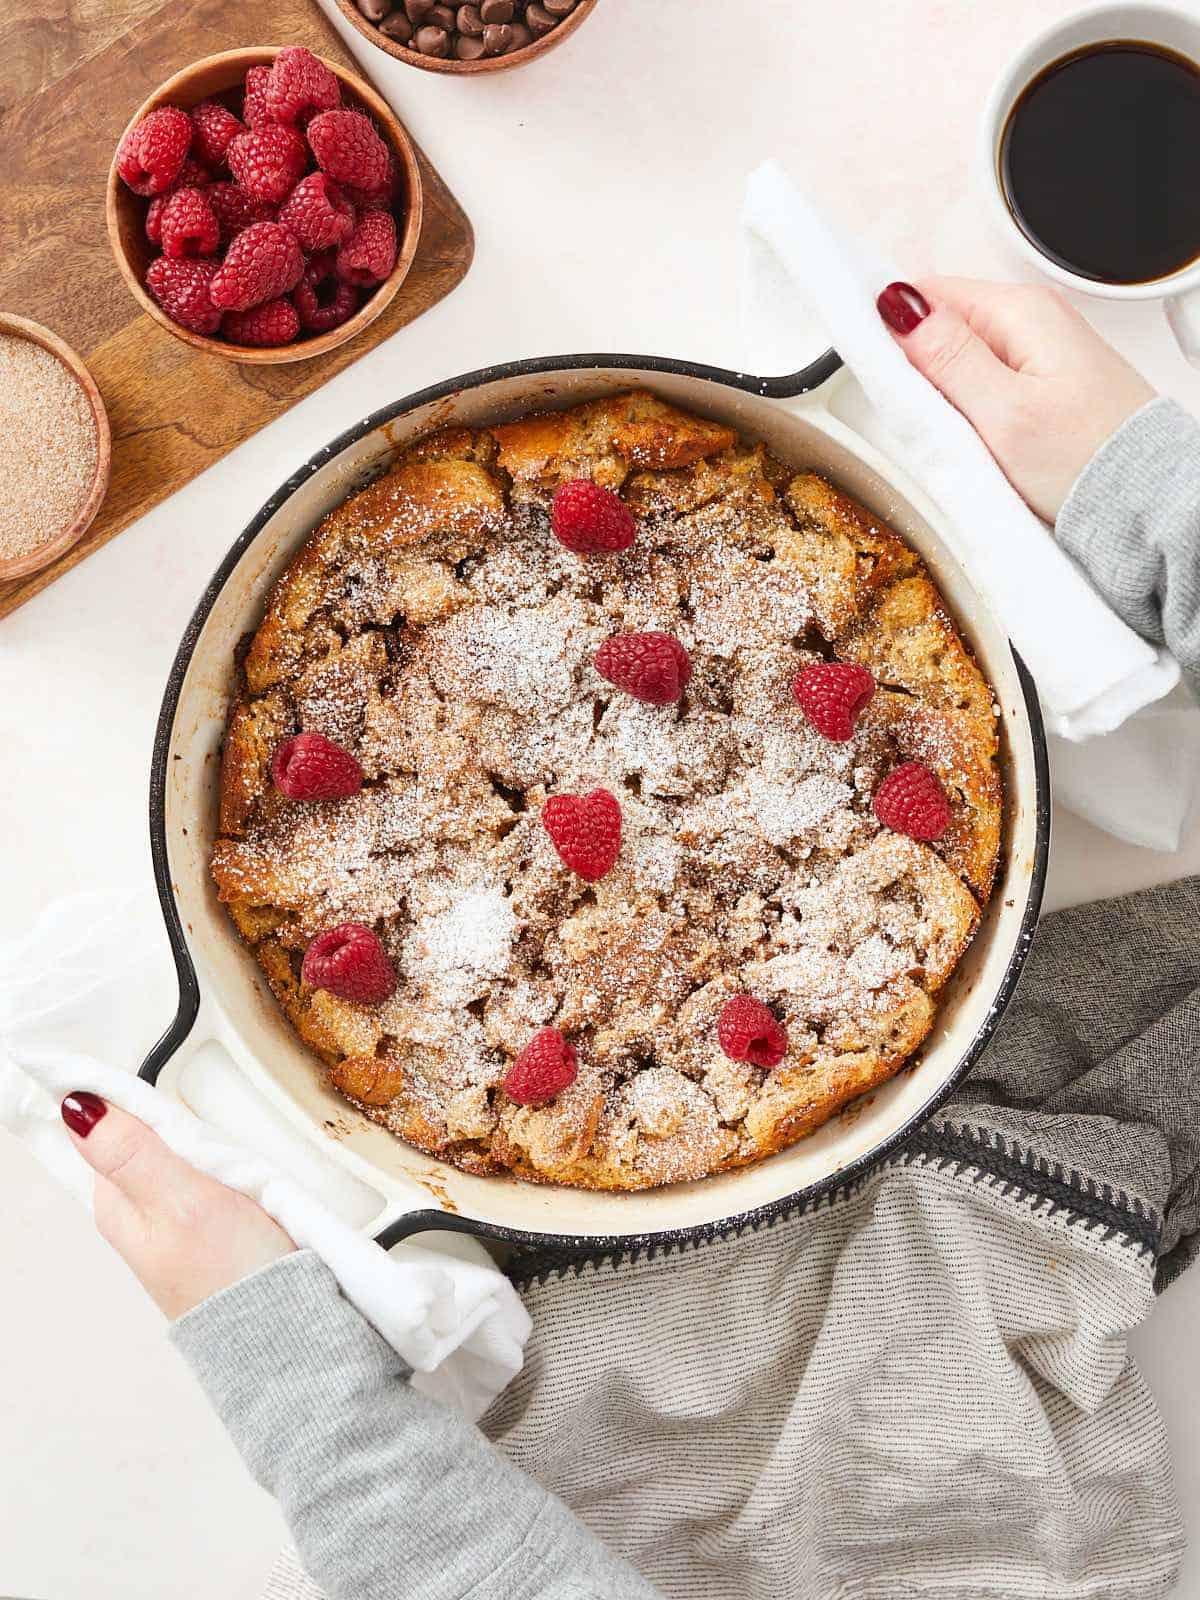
(55,447)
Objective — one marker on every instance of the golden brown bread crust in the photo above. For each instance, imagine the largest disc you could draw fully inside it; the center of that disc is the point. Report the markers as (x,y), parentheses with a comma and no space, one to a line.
(432,626)
(832,530)
(254,731)
(621,433)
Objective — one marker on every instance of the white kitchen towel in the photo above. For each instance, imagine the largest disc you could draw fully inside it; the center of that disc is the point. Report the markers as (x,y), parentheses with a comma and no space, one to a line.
(796,269)
(70,1010)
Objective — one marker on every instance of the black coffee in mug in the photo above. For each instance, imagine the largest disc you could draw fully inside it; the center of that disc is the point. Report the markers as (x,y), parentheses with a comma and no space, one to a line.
(1100,162)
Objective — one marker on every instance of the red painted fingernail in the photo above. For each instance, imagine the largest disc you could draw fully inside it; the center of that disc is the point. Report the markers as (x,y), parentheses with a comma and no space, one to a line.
(902,307)
(82,1110)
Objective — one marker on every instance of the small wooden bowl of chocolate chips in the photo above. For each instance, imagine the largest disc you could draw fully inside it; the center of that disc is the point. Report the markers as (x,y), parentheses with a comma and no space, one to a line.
(480,36)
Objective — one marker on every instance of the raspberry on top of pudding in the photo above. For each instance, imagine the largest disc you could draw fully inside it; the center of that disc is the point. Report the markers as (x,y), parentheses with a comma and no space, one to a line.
(641,784)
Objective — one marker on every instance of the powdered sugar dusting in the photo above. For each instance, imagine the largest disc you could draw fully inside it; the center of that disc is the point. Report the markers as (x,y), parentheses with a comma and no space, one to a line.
(458,668)
(785,812)
(524,659)
(455,952)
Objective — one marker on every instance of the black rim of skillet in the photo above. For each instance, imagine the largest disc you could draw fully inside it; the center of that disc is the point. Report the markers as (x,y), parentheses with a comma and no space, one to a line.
(785,387)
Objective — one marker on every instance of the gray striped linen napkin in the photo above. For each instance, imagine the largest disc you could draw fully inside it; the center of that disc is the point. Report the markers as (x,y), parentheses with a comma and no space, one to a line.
(920,1386)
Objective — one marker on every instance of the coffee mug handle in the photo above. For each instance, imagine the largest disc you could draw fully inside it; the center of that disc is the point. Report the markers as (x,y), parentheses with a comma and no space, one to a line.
(1183,315)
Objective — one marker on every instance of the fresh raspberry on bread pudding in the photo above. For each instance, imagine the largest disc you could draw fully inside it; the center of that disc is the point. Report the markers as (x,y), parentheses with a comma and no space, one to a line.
(312,767)
(590,519)
(652,667)
(912,801)
(544,1068)
(832,694)
(619,873)
(586,831)
(351,963)
(747,1030)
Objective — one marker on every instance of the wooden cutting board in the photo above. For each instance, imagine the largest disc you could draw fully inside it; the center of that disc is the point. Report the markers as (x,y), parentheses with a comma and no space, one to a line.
(74,72)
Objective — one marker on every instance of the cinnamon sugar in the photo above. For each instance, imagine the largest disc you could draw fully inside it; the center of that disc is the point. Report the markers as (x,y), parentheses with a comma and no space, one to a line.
(48,447)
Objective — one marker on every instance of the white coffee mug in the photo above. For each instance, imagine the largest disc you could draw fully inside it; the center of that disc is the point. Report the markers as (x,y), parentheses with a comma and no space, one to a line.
(1173,27)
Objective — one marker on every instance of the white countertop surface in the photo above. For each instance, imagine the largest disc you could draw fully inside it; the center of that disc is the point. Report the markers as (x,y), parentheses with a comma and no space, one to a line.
(604,185)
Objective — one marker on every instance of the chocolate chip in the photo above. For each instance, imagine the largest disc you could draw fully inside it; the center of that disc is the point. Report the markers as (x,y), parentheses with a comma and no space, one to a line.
(466,29)
(539,19)
(431,41)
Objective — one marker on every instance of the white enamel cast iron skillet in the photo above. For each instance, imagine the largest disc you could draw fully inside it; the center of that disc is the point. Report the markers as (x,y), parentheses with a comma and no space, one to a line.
(226,1014)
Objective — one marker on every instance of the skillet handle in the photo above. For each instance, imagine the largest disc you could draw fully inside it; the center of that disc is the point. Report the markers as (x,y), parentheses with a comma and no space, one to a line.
(187,1007)
(792,384)
(205,1077)
(786,387)
(209,1081)
(460,1236)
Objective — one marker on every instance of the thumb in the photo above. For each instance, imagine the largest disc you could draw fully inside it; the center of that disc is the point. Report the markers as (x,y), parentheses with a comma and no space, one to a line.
(125,1152)
(943,347)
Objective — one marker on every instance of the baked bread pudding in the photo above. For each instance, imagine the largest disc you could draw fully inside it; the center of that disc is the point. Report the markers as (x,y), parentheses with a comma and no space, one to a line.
(606,802)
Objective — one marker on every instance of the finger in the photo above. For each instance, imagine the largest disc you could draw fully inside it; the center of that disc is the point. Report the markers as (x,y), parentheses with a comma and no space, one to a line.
(117,1218)
(125,1152)
(1025,324)
(941,344)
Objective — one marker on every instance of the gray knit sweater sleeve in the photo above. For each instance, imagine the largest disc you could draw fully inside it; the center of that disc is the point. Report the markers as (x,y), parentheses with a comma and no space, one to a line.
(389,1496)
(1132,520)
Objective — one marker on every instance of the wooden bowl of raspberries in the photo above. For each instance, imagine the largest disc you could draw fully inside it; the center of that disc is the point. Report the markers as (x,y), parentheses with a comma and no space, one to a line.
(264,205)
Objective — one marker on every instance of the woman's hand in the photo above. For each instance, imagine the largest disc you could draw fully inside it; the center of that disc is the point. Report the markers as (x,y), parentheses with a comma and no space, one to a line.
(1036,381)
(184,1236)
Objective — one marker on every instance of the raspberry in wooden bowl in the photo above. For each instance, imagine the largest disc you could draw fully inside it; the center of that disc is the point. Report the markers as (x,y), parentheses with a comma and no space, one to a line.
(264,205)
